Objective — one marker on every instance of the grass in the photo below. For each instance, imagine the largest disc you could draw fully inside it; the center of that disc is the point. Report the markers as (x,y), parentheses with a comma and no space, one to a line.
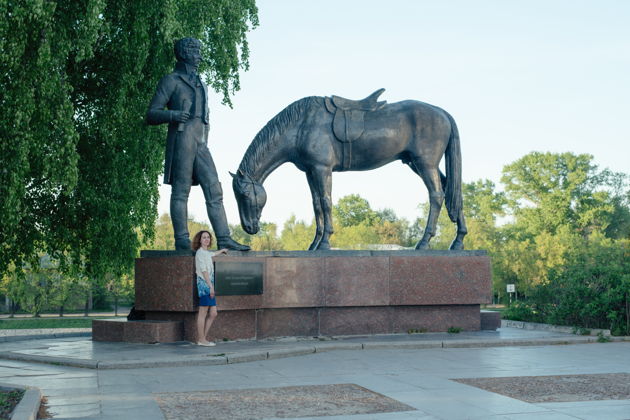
(8,401)
(36,323)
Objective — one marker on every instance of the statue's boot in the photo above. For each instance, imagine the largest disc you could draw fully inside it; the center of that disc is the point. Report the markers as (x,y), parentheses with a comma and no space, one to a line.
(179,217)
(229,243)
(218,219)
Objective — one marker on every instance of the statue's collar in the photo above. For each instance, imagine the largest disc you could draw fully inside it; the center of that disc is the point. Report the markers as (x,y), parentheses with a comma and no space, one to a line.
(185,68)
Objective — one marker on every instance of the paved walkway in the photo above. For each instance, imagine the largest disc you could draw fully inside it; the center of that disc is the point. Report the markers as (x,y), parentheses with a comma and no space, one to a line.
(121,380)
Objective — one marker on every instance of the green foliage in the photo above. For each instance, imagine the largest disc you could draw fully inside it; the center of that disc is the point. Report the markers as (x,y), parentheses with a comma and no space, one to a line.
(556,203)
(521,311)
(9,399)
(37,323)
(296,235)
(353,210)
(239,235)
(454,330)
(163,238)
(547,191)
(357,226)
(590,290)
(593,289)
(266,239)
(79,166)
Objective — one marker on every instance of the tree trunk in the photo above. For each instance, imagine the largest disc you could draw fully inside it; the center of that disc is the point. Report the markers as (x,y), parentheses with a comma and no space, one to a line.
(61,310)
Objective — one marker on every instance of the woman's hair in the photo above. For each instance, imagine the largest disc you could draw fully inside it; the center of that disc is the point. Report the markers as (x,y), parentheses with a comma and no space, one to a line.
(196,242)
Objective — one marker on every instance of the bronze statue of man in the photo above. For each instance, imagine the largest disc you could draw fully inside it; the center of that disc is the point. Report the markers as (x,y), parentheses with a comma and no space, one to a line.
(181,101)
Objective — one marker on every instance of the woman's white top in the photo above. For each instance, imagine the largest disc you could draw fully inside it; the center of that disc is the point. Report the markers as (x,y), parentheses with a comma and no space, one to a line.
(203,262)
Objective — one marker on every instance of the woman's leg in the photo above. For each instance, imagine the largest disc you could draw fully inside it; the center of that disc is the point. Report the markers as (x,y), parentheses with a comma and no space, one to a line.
(212,315)
(201,318)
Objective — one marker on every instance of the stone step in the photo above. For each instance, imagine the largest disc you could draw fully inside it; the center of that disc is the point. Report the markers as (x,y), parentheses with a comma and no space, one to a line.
(490,320)
(141,331)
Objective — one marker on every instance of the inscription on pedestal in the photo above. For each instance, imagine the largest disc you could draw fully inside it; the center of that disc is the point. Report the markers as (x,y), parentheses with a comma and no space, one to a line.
(238,278)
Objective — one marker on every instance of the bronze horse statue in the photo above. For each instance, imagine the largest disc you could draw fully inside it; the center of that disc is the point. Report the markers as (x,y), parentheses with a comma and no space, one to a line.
(322,135)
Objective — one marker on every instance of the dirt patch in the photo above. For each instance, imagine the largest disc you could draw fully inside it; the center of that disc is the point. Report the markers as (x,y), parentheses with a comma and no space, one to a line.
(8,401)
(558,388)
(43,412)
(291,401)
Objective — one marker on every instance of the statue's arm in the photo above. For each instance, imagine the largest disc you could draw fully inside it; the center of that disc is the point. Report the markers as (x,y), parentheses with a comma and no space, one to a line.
(157,114)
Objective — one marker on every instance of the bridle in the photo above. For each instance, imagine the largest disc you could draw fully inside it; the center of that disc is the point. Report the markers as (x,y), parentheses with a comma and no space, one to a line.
(248,180)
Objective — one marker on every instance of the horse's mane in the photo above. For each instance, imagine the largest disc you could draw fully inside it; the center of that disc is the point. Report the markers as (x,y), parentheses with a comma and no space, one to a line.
(267,137)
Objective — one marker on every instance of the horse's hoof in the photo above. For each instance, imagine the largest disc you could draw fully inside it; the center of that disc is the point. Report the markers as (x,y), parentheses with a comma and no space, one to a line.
(422,245)
(456,246)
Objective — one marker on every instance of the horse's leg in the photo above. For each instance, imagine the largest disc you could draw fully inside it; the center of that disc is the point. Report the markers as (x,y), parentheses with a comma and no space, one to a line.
(317,209)
(430,174)
(458,242)
(322,183)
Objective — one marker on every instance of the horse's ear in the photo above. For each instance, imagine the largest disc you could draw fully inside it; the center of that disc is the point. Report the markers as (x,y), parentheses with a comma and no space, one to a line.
(233,176)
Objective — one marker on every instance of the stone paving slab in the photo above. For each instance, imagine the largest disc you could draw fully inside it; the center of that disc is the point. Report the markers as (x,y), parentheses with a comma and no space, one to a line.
(419,378)
(84,353)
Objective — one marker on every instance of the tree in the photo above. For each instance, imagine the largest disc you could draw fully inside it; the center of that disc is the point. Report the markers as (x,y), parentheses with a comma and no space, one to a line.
(79,177)
(558,202)
(267,238)
(445,231)
(547,190)
(391,229)
(163,238)
(120,288)
(239,235)
(353,210)
(296,234)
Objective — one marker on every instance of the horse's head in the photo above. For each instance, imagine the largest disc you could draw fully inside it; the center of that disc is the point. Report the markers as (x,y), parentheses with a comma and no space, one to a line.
(251,198)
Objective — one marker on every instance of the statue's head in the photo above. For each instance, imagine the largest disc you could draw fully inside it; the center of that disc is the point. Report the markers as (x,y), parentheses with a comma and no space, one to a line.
(188,50)
(251,198)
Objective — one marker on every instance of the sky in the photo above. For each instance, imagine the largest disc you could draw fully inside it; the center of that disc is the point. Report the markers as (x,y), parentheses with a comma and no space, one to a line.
(517,76)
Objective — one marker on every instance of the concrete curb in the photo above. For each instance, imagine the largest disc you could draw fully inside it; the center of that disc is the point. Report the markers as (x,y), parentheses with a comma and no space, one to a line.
(133,364)
(28,406)
(267,354)
(551,328)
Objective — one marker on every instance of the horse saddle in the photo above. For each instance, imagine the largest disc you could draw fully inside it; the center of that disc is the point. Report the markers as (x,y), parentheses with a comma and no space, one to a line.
(348,120)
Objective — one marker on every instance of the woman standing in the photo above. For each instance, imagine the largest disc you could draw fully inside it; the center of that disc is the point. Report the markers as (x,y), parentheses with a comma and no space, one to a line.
(205,285)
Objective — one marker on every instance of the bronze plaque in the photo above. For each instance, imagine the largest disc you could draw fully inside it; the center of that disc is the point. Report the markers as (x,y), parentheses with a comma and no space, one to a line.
(238,278)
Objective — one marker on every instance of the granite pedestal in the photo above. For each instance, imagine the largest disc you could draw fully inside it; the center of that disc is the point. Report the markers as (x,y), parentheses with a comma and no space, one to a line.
(322,293)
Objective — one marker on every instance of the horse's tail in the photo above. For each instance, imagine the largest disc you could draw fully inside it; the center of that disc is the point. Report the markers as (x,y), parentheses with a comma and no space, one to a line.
(453,160)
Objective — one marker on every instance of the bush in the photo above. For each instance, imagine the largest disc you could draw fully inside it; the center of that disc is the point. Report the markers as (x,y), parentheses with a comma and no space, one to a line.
(522,311)
(592,290)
